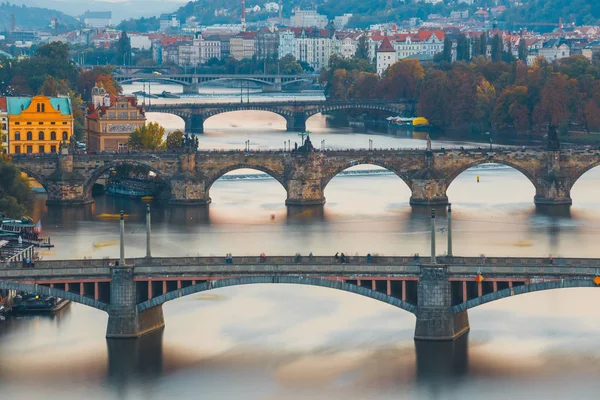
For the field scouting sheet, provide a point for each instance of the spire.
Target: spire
(243, 15)
(386, 46)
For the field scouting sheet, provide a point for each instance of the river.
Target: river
(295, 342)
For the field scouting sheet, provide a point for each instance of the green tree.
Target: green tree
(362, 48)
(289, 66)
(52, 88)
(148, 137)
(463, 46)
(447, 52)
(174, 140)
(497, 48)
(123, 50)
(16, 197)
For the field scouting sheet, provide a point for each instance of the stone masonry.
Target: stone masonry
(189, 176)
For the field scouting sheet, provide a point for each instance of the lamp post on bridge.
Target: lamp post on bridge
(148, 232)
(122, 236)
(433, 260)
(449, 230)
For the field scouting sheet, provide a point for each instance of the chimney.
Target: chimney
(280, 12)
(243, 15)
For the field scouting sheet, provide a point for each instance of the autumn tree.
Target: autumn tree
(402, 80)
(53, 88)
(148, 137)
(364, 86)
(434, 97)
(511, 110)
(174, 140)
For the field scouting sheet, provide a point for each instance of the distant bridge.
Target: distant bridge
(191, 82)
(438, 294)
(296, 113)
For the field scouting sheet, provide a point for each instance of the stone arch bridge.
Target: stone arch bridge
(439, 295)
(296, 113)
(68, 179)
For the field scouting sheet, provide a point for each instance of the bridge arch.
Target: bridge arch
(47, 291)
(529, 288)
(454, 174)
(580, 173)
(220, 173)
(39, 178)
(247, 107)
(391, 109)
(279, 113)
(341, 168)
(298, 280)
(153, 78)
(87, 187)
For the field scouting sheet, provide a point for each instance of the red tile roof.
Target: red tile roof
(386, 46)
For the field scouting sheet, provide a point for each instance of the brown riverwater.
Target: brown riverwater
(295, 342)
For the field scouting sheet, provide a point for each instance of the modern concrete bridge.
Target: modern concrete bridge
(192, 82)
(296, 113)
(188, 176)
(438, 294)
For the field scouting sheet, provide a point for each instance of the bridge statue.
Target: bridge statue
(553, 142)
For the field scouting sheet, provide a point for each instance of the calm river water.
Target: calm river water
(293, 342)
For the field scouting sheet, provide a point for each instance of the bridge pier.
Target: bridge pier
(276, 88)
(66, 187)
(194, 124)
(305, 186)
(124, 320)
(296, 123)
(435, 318)
(552, 191)
(428, 192)
(190, 89)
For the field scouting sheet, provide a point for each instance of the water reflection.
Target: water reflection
(134, 359)
(440, 362)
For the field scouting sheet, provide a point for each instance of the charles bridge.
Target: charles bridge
(296, 113)
(189, 175)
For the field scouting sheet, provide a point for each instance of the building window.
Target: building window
(41, 136)
(42, 150)
(52, 123)
(29, 136)
(41, 123)
(29, 149)
(52, 149)
(52, 135)
(17, 149)
(39, 108)
(17, 123)
(64, 123)
(17, 135)
(29, 123)
(43, 108)
(65, 136)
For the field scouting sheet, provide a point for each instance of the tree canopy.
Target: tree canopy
(16, 197)
(148, 137)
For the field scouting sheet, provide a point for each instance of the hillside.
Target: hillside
(30, 18)
(582, 12)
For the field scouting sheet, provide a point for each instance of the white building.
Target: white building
(271, 7)
(140, 42)
(287, 43)
(209, 47)
(308, 18)
(554, 49)
(97, 19)
(341, 21)
(169, 22)
(386, 56)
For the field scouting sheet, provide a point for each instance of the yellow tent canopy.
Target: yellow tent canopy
(420, 121)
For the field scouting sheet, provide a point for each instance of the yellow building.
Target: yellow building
(38, 124)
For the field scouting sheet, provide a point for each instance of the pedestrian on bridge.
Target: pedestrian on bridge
(337, 256)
